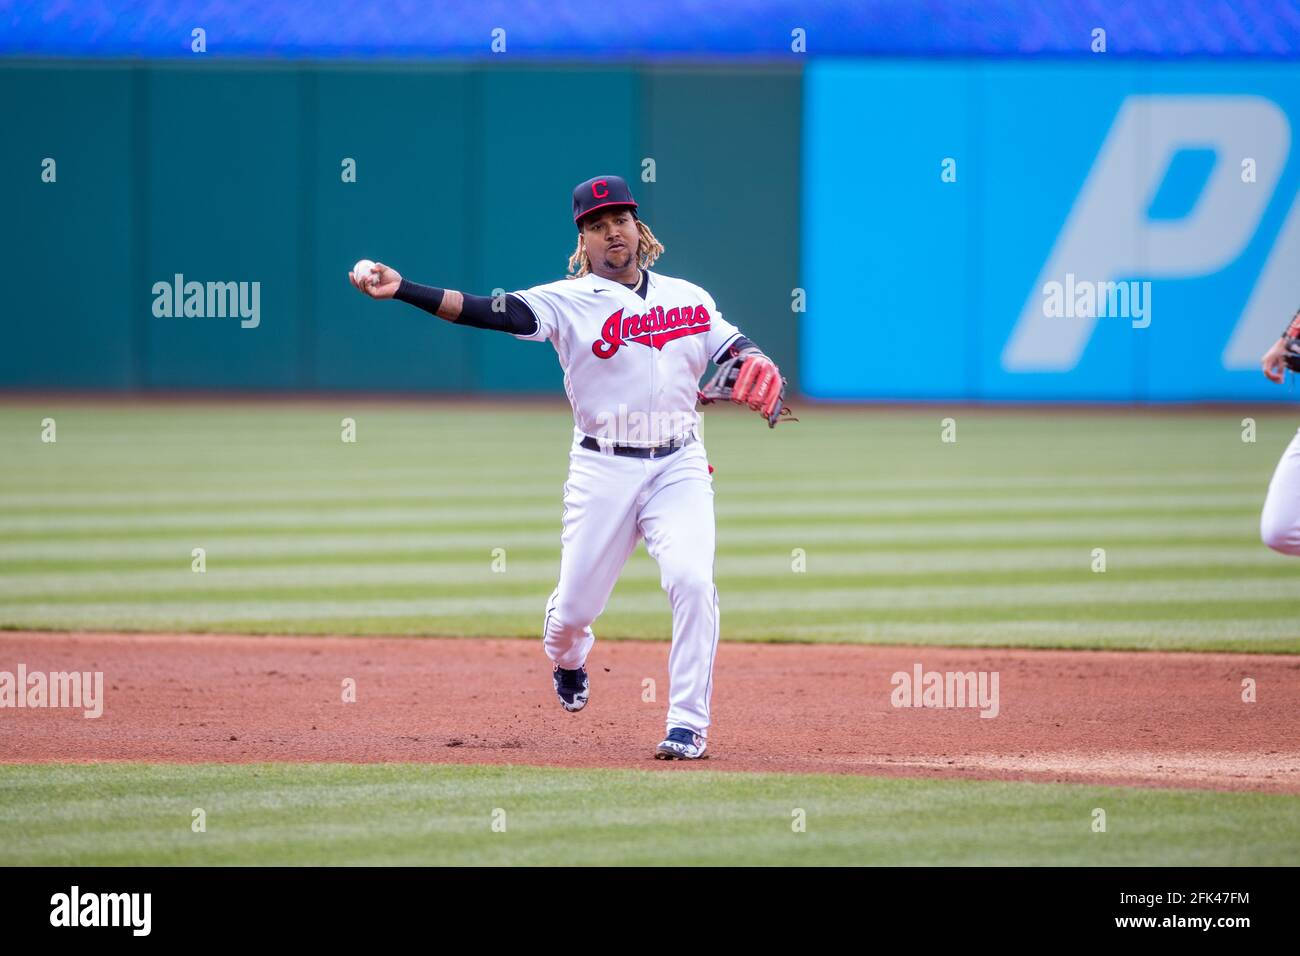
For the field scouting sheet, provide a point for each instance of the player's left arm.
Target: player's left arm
(747, 375)
(725, 341)
(739, 346)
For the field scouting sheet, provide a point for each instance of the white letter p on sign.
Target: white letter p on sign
(1108, 236)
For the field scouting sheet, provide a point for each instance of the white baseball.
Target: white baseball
(362, 271)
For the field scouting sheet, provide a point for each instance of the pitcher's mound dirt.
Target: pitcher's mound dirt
(1173, 720)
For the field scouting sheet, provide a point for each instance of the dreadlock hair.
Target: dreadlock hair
(647, 251)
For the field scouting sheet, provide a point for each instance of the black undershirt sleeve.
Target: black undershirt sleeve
(477, 311)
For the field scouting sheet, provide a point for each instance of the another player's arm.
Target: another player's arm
(1274, 360)
(452, 305)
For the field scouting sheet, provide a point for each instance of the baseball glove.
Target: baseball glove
(1291, 341)
(752, 379)
(1292, 356)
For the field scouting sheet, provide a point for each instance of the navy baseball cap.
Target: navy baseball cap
(600, 192)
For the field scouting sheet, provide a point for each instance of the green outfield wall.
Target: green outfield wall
(231, 173)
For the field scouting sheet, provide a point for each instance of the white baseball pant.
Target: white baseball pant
(610, 502)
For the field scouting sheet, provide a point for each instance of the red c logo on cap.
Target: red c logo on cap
(600, 182)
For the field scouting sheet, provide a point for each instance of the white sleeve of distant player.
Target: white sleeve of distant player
(721, 332)
(548, 306)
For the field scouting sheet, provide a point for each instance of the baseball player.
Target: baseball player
(1279, 524)
(633, 345)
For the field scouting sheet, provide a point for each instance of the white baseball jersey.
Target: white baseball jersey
(620, 351)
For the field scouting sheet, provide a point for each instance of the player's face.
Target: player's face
(611, 240)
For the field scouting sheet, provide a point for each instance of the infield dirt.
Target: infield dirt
(1127, 718)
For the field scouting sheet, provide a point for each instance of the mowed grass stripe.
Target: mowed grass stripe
(638, 580)
(145, 498)
(1038, 564)
(1109, 632)
(1236, 629)
(1095, 595)
(535, 521)
(1226, 626)
(1193, 546)
(520, 614)
(508, 512)
(310, 540)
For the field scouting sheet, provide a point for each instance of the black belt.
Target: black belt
(639, 451)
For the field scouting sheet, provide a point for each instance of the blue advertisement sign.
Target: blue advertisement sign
(1033, 231)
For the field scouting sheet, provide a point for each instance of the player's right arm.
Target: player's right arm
(1274, 360)
(479, 311)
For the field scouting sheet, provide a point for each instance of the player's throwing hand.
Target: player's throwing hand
(381, 282)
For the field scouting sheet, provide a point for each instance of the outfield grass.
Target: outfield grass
(985, 541)
(286, 814)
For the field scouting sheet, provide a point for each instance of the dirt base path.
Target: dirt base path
(1171, 720)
